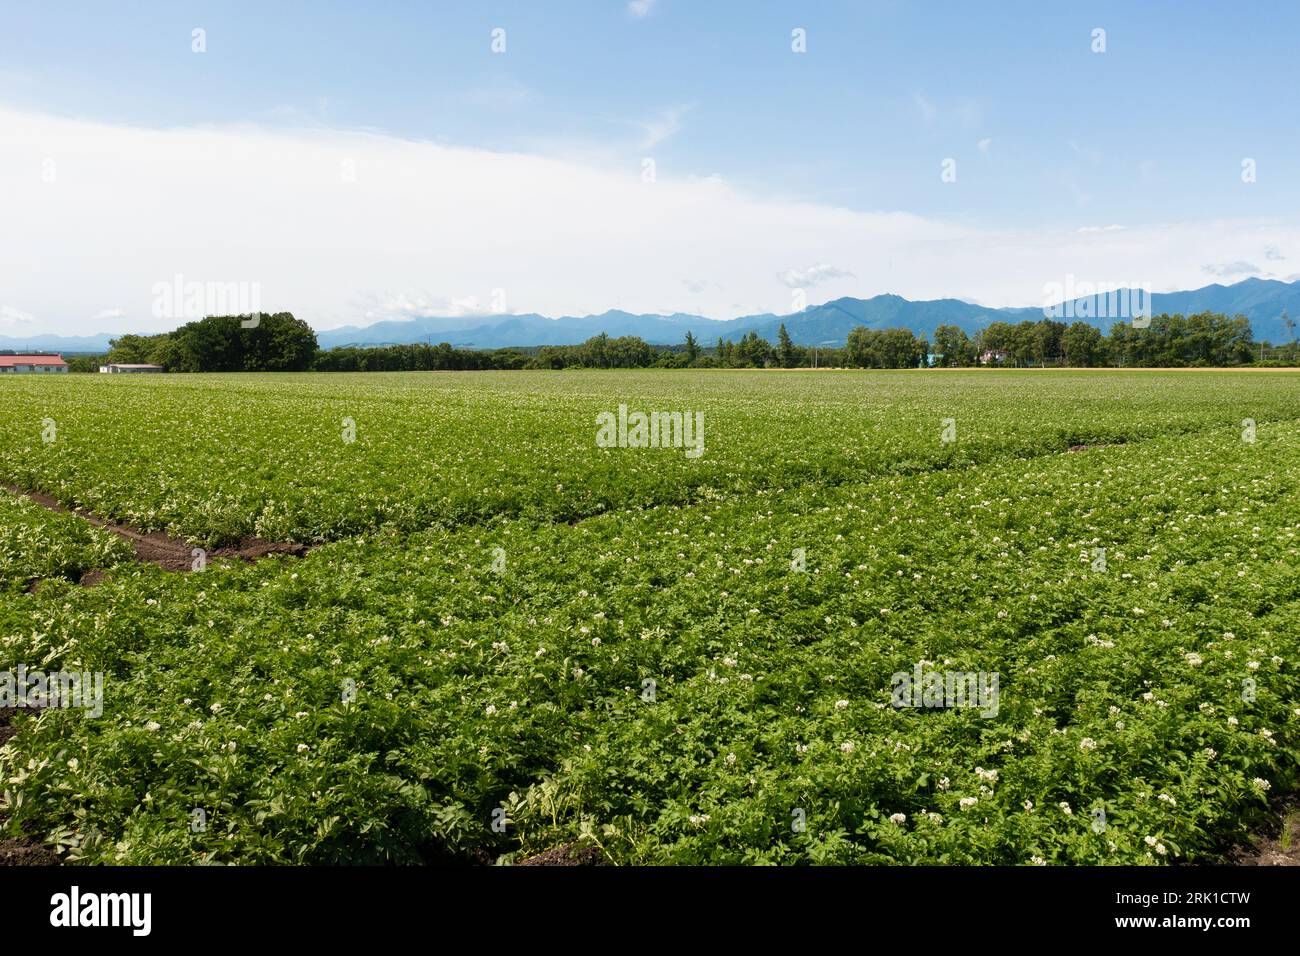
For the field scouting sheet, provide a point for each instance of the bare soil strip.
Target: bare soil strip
(154, 547)
(565, 855)
(1279, 843)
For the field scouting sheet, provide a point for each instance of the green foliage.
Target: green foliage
(522, 687)
(599, 351)
(692, 349)
(37, 544)
(954, 347)
(888, 348)
(223, 457)
(230, 343)
(416, 358)
(786, 350)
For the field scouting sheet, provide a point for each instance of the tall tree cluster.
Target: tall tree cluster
(225, 343)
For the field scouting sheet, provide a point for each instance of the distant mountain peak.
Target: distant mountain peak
(1260, 300)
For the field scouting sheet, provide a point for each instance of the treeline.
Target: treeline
(224, 343)
(416, 358)
(280, 342)
(1169, 341)
(600, 351)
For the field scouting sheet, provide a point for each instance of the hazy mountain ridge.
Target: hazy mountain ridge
(1260, 300)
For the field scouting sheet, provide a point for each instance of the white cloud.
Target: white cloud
(640, 8)
(110, 314)
(984, 145)
(430, 229)
(15, 318)
(379, 306)
(1238, 268)
(822, 272)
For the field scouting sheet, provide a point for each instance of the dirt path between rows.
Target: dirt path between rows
(1278, 844)
(154, 547)
(170, 554)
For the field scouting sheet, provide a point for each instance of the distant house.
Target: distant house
(994, 357)
(22, 364)
(120, 368)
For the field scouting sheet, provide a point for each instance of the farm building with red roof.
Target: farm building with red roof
(11, 364)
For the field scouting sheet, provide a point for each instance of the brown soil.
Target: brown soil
(566, 855)
(23, 851)
(154, 547)
(1266, 848)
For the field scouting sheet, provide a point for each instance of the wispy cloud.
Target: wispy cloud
(11, 317)
(822, 272)
(625, 141)
(640, 8)
(963, 114)
(662, 126)
(381, 305)
(984, 146)
(1238, 268)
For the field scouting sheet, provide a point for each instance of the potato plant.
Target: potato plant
(709, 678)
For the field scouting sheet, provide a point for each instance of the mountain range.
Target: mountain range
(1262, 301)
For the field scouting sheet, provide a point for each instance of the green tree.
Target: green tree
(692, 348)
(130, 349)
(785, 347)
(1082, 345)
(953, 347)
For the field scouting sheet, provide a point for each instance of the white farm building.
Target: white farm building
(120, 368)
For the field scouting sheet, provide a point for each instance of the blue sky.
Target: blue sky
(1049, 138)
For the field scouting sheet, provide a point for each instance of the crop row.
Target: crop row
(687, 685)
(319, 458)
(36, 544)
